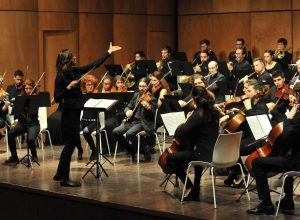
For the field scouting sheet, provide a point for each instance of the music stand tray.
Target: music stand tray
(101, 105)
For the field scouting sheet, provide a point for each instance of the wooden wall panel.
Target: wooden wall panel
(18, 44)
(130, 32)
(95, 33)
(166, 7)
(58, 5)
(95, 6)
(295, 4)
(296, 35)
(266, 28)
(130, 6)
(24, 5)
(270, 5)
(222, 32)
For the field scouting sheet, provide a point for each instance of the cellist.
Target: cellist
(253, 104)
(290, 161)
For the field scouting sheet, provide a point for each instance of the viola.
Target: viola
(284, 92)
(267, 148)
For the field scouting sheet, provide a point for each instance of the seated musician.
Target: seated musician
(279, 94)
(296, 76)
(201, 66)
(271, 64)
(27, 123)
(119, 84)
(88, 120)
(196, 138)
(140, 113)
(4, 103)
(107, 85)
(240, 43)
(16, 89)
(289, 160)
(159, 87)
(252, 104)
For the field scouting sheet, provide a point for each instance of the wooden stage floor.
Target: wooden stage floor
(135, 187)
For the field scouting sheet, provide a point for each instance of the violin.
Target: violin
(284, 92)
(154, 89)
(145, 98)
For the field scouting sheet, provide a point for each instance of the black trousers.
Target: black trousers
(19, 129)
(87, 129)
(178, 162)
(264, 165)
(70, 129)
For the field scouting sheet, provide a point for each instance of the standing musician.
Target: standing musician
(140, 113)
(279, 98)
(163, 67)
(119, 84)
(270, 64)
(27, 123)
(67, 90)
(240, 43)
(88, 120)
(196, 139)
(16, 89)
(251, 104)
(288, 161)
(215, 75)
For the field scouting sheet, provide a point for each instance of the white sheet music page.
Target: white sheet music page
(99, 103)
(172, 121)
(260, 126)
(265, 124)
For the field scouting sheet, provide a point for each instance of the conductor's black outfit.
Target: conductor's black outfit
(70, 121)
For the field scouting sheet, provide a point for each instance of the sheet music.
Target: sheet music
(99, 103)
(172, 121)
(260, 126)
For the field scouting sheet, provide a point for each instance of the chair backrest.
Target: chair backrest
(227, 149)
(42, 116)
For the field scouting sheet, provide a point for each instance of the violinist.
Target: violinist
(27, 123)
(159, 87)
(196, 138)
(67, 90)
(119, 84)
(279, 98)
(16, 89)
(88, 120)
(252, 104)
(289, 160)
(107, 85)
(215, 75)
(140, 113)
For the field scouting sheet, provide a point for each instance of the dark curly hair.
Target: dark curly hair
(203, 99)
(64, 61)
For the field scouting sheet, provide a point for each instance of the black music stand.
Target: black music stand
(114, 69)
(31, 104)
(101, 105)
(181, 56)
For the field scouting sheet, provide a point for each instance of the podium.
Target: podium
(30, 104)
(101, 106)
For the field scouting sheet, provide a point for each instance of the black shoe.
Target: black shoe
(79, 156)
(261, 209)
(193, 195)
(147, 154)
(70, 183)
(57, 178)
(93, 155)
(12, 160)
(286, 204)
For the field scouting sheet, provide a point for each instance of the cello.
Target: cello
(267, 147)
(162, 161)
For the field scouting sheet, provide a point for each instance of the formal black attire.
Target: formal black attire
(248, 57)
(13, 91)
(211, 54)
(276, 67)
(289, 160)
(284, 62)
(71, 112)
(197, 137)
(142, 119)
(2, 115)
(219, 96)
(170, 78)
(27, 123)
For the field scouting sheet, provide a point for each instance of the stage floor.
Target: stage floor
(135, 186)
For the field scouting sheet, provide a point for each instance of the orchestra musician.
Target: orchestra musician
(107, 85)
(163, 66)
(279, 94)
(88, 119)
(140, 113)
(202, 66)
(4, 103)
(138, 56)
(67, 89)
(251, 104)
(289, 160)
(196, 139)
(159, 87)
(27, 123)
(119, 84)
(296, 77)
(16, 89)
(270, 64)
(240, 43)
(205, 46)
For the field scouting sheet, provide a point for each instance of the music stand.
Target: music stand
(181, 56)
(101, 106)
(114, 69)
(31, 104)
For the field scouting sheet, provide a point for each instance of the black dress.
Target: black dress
(72, 106)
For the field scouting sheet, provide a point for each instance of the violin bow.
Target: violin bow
(101, 79)
(37, 83)
(85, 74)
